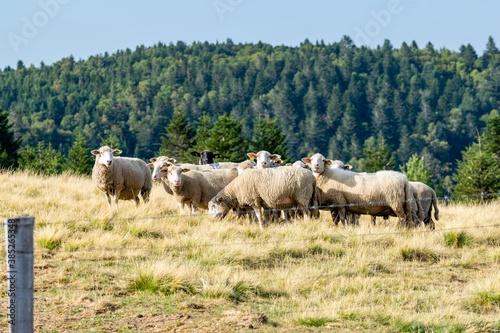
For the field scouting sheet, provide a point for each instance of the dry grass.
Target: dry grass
(147, 269)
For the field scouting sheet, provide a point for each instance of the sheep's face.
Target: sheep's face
(206, 156)
(105, 155)
(316, 163)
(218, 208)
(160, 167)
(174, 175)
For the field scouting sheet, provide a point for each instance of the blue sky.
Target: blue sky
(48, 30)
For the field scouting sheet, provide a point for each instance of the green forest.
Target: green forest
(344, 101)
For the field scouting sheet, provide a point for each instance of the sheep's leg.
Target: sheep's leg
(258, 214)
(145, 195)
(108, 198)
(137, 201)
(374, 219)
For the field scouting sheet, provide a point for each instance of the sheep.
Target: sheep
(124, 178)
(206, 156)
(267, 189)
(264, 159)
(369, 193)
(205, 167)
(159, 165)
(427, 199)
(195, 188)
(245, 165)
(417, 212)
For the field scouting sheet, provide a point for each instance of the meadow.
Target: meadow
(151, 269)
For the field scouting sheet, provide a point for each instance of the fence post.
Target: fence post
(19, 259)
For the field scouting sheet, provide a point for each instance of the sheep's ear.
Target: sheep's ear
(218, 155)
(219, 199)
(195, 153)
(151, 165)
(171, 161)
(153, 159)
(347, 167)
(327, 161)
(185, 170)
(95, 152)
(117, 152)
(274, 156)
(252, 156)
(306, 160)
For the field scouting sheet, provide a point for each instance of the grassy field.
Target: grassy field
(147, 269)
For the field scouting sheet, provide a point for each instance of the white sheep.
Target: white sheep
(417, 213)
(264, 159)
(205, 167)
(368, 193)
(196, 188)
(428, 199)
(159, 165)
(245, 165)
(124, 178)
(269, 188)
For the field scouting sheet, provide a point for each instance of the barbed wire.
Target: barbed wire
(266, 210)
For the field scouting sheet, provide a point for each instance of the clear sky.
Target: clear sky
(48, 30)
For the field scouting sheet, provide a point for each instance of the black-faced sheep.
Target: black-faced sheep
(205, 167)
(361, 193)
(206, 156)
(268, 188)
(196, 188)
(124, 178)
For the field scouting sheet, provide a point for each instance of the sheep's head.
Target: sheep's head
(317, 163)
(174, 175)
(264, 159)
(218, 207)
(160, 166)
(206, 156)
(104, 155)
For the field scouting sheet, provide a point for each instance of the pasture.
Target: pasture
(148, 269)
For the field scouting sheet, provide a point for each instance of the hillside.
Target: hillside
(330, 98)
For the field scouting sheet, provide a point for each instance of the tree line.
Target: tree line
(371, 107)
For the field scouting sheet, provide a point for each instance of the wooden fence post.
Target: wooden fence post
(19, 259)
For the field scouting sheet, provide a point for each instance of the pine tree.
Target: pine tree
(179, 138)
(478, 175)
(80, 160)
(267, 135)
(44, 160)
(9, 146)
(378, 157)
(204, 124)
(415, 170)
(225, 138)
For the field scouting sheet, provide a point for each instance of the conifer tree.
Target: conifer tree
(179, 138)
(415, 170)
(478, 175)
(225, 138)
(80, 160)
(204, 124)
(267, 135)
(378, 157)
(9, 146)
(44, 160)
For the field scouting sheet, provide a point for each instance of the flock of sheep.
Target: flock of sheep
(263, 189)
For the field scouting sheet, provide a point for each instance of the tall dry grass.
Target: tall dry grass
(148, 269)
